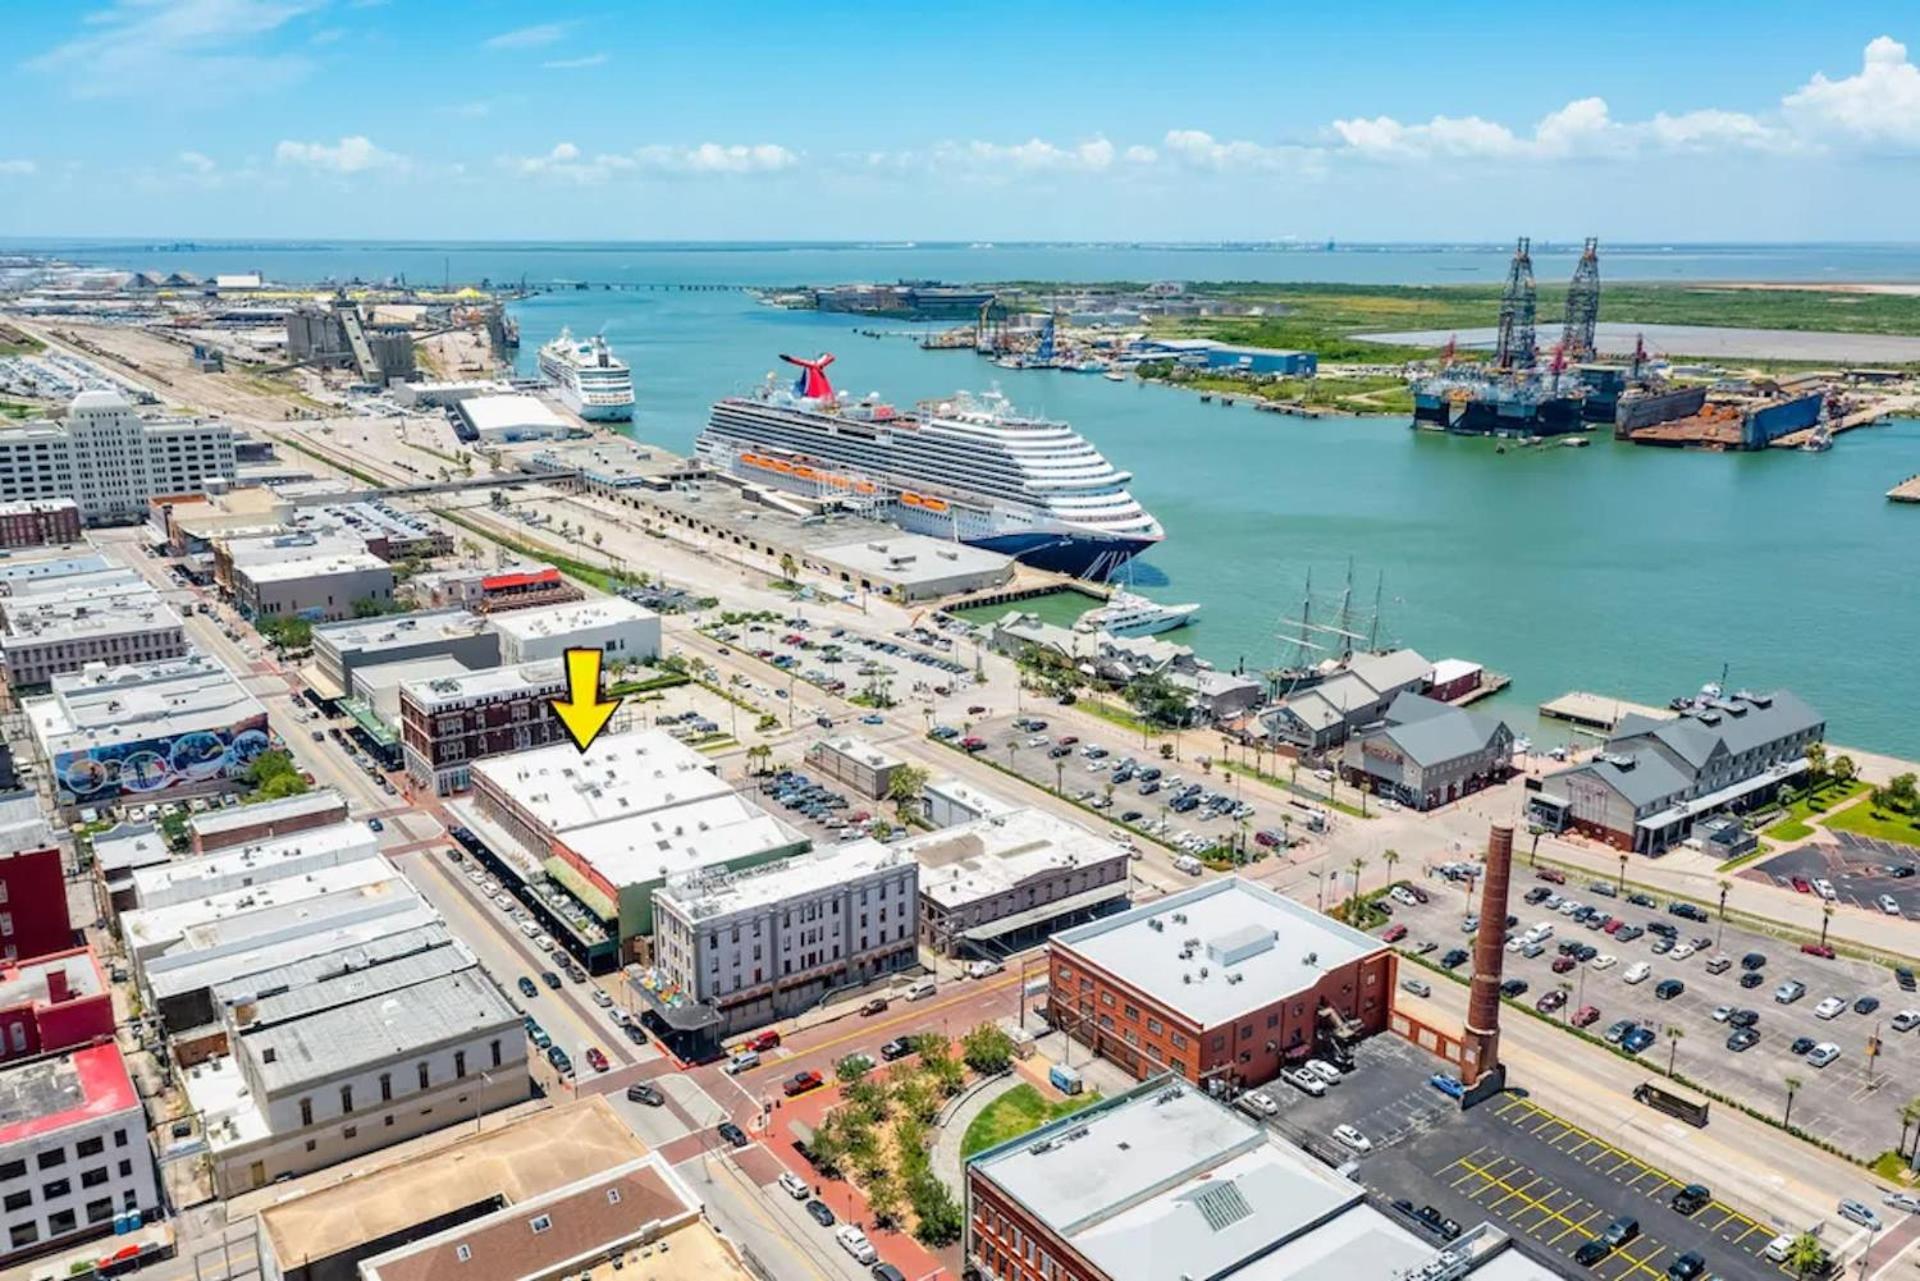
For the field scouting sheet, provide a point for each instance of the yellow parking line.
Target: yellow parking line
(1585, 1139)
(1509, 1104)
(1535, 1202)
(1645, 1262)
(1576, 1227)
(1520, 1192)
(1749, 1232)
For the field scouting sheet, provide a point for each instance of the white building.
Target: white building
(243, 867)
(612, 624)
(74, 1160)
(499, 420)
(997, 882)
(951, 801)
(766, 943)
(855, 763)
(323, 585)
(326, 1069)
(47, 633)
(110, 460)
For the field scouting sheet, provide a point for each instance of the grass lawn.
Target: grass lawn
(1795, 825)
(1018, 1111)
(1862, 819)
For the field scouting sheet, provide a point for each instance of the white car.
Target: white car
(1906, 1202)
(1038, 740)
(1638, 972)
(1890, 905)
(1906, 1020)
(795, 1186)
(1822, 1054)
(1604, 961)
(1261, 1102)
(601, 997)
(1568, 906)
(981, 969)
(1419, 987)
(1305, 1082)
(1679, 951)
(745, 1061)
(1824, 888)
(1324, 1070)
(855, 1242)
(1721, 1013)
(1352, 1138)
(1829, 1008)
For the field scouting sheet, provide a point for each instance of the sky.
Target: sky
(1201, 122)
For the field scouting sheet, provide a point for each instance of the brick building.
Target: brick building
(33, 904)
(1226, 981)
(37, 522)
(449, 722)
(53, 1002)
(251, 824)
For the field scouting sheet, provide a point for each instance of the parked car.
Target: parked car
(1585, 1016)
(1820, 950)
(1352, 1138)
(1304, 1081)
(855, 1243)
(800, 1083)
(526, 986)
(644, 1092)
(898, 1048)
(1447, 1085)
(596, 1059)
(817, 1211)
(1692, 1198)
(1823, 1054)
(794, 1186)
(1789, 992)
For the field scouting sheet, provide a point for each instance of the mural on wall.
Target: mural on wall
(156, 764)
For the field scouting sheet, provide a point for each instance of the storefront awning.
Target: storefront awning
(1047, 912)
(1724, 797)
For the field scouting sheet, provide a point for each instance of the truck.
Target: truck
(1065, 1079)
(1665, 1099)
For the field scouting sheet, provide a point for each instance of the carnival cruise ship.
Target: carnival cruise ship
(592, 381)
(969, 469)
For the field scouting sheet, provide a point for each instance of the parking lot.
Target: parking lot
(1550, 1184)
(912, 665)
(1861, 869)
(1852, 1100)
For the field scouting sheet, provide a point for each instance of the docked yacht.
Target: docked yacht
(1126, 614)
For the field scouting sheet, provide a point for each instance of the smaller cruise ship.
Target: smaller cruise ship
(592, 381)
(1126, 614)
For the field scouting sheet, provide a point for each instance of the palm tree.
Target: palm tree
(1674, 1037)
(1566, 1000)
(1390, 857)
(1721, 931)
(903, 789)
(1793, 1087)
(1623, 873)
(1059, 778)
(1353, 913)
(1909, 1118)
(1826, 919)
(1816, 755)
(1806, 1255)
(789, 567)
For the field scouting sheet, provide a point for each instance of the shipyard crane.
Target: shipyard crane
(1583, 305)
(1516, 347)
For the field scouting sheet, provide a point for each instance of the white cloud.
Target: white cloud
(18, 168)
(1880, 106)
(1715, 130)
(566, 161)
(1036, 155)
(1198, 149)
(355, 154)
(198, 162)
(147, 46)
(533, 37)
(574, 64)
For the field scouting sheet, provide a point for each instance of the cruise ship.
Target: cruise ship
(968, 468)
(1126, 614)
(592, 381)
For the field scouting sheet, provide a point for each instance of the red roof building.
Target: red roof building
(53, 1002)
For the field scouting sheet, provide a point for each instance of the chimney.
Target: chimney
(1481, 1047)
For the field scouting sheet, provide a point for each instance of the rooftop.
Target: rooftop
(54, 617)
(46, 1095)
(236, 818)
(507, 413)
(701, 897)
(514, 1162)
(101, 705)
(312, 939)
(128, 846)
(564, 620)
(867, 753)
(248, 909)
(256, 865)
(22, 566)
(1001, 852)
(902, 557)
(324, 565)
(1245, 948)
(1431, 732)
(544, 676)
(399, 631)
(961, 792)
(31, 982)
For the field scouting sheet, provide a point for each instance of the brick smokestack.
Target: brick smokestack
(1482, 1042)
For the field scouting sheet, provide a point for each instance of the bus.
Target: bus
(1664, 1098)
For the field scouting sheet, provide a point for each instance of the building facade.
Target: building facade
(339, 649)
(54, 1002)
(620, 629)
(856, 764)
(219, 829)
(33, 903)
(109, 460)
(49, 633)
(448, 723)
(1426, 753)
(37, 522)
(74, 1160)
(992, 885)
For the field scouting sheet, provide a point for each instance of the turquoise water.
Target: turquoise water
(1633, 572)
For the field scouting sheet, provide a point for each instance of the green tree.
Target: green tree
(852, 1068)
(273, 775)
(1793, 1087)
(1909, 1119)
(987, 1049)
(1157, 700)
(1674, 1036)
(1844, 769)
(373, 607)
(1806, 1256)
(1816, 762)
(937, 1214)
(903, 789)
(883, 1198)
(789, 567)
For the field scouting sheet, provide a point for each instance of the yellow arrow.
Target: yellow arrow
(583, 711)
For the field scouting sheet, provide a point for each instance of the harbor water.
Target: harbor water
(1633, 572)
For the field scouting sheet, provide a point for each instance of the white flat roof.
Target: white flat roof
(722, 893)
(564, 620)
(1000, 852)
(396, 631)
(508, 413)
(190, 971)
(259, 864)
(447, 689)
(868, 754)
(327, 564)
(1272, 944)
(102, 705)
(960, 792)
(53, 617)
(907, 558)
(161, 926)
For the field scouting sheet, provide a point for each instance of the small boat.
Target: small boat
(1226, 400)
(1205, 396)
(1574, 442)
(1818, 443)
(1115, 376)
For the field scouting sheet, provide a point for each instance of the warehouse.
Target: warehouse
(501, 420)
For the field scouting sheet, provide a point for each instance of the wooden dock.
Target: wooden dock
(1907, 491)
(1596, 711)
(1491, 683)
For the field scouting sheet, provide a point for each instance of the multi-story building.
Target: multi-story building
(1358, 694)
(491, 591)
(449, 722)
(997, 883)
(109, 460)
(257, 865)
(21, 574)
(855, 763)
(328, 585)
(33, 892)
(339, 649)
(1224, 983)
(51, 632)
(381, 528)
(333, 1068)
(1656, 778)
(54, 1002)
(735, 950)
(622, 630)
(74, 1160)
(157, 730)
(951, 801)
(1426, 753)
(219, 829)
(38, 522)
(1162, 1181)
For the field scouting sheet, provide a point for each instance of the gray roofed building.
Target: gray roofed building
(1426, 753)
(1326, 715)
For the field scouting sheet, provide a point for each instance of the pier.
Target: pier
(1596, 711)
(1907, 491)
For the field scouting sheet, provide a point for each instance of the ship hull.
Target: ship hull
(1075, 554)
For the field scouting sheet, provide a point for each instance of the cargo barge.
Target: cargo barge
(1735, 423)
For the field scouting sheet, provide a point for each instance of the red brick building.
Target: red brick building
(38, 522)
(250, 824)
(33, 904)
(1227, 980)
(53, 1002)
(449, 722)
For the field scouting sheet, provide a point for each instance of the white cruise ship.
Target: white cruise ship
(592, 381)
(1126, 614)
(969, 469)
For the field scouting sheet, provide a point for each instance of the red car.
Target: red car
(596, 1060)
(761, 1042)
(1561, 964)
(1817, 949)
(1613, 926)
(801, 1082)
(1394, 934)
(1552, 875)
(1067, 740)
(1586, 1015)
(1802, 884)
(973, 744)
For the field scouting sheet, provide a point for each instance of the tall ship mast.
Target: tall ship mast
(968, 468)
(591, 381)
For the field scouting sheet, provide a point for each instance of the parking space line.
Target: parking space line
(1520, 1192)
(1577, 1227)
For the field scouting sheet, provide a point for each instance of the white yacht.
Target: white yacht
(592, 381)
(967, 468)
(1126, 614)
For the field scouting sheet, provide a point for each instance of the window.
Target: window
(19, 1200)
(100, 1211)
(90, 1147)
(346, 1099)
(55, 1188)
(306, 1111)
(351, 1132)
(386, 1087)
(494, 1045)
(47, 1160)
(60, 1223)
(93, 1178)
(540, 1223)
(426, 1078)
(312, 1144)
(459, 1063)
(126, 1168)
(12, 1169)
(24, 1234)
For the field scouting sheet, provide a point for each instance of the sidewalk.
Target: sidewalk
(948, 1163)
